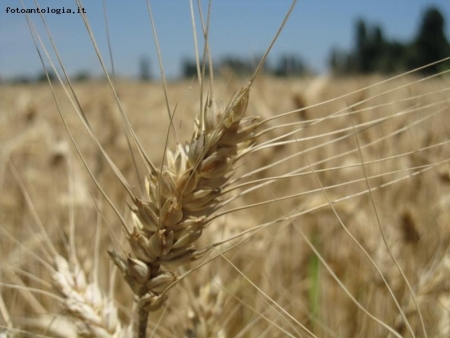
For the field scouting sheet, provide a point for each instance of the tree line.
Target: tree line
(285, 65)
(372, 52)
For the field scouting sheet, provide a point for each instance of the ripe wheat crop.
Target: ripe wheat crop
(222, 206)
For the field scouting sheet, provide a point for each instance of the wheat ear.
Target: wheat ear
(179, 200)
(93, 313)
(204, 314)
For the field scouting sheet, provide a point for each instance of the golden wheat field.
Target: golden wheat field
(312, 207)
(401, 136)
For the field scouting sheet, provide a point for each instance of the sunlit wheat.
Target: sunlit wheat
(295, 207)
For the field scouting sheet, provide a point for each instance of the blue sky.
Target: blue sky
(238, 27)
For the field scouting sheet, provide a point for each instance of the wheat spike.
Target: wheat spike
(180, 198)
(204, 314)
(85, 303)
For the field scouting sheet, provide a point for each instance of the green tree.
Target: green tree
(82, 76)
(370, 47)
(431, 43)
(362, 48)
(188, 68)
(290, 65)
(42, 76)
(144, 69)
(239, 66)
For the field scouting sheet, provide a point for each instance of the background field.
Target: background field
(399, 129)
